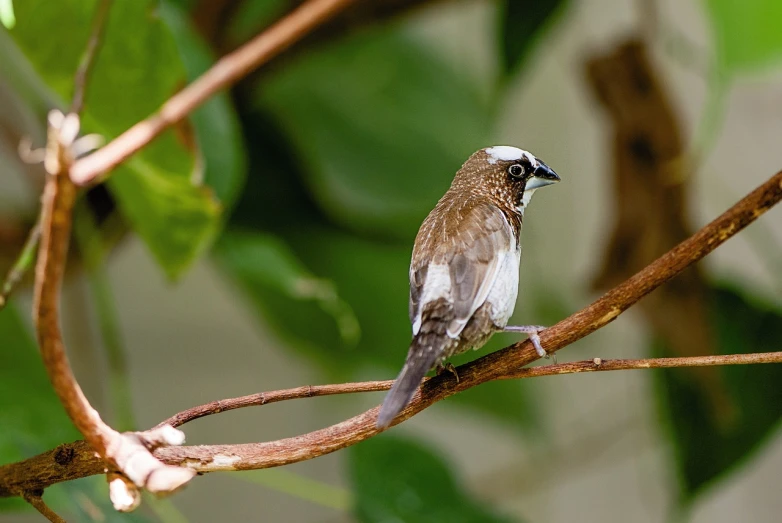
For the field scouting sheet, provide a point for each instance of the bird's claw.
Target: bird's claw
(532, 331)
(448, 367)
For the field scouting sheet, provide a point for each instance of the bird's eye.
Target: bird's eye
(516, 170)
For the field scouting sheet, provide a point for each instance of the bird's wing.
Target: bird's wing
(458, 259)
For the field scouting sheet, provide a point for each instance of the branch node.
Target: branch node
(64, 455)
(29, 155)
(124, 495)
(34, 498)
(166, 480)
(132, 453)
(163, 436)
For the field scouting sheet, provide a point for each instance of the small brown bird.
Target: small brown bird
(464, 274)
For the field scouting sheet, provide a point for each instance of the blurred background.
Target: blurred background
(265, 243)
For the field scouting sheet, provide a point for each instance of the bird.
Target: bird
(464, 271)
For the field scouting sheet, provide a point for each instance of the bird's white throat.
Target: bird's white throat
(525, 200)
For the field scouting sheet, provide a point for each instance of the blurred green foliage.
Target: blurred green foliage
(349, 144)
(305, 308)
(708, 444)
(252, 14)
(373, 130)
(33, 421)
(217, 130)
(521, 24)
(399, 480)
(158, 190)
(7, 15)
(747, 33)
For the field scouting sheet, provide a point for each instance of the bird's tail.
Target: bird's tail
(424, 351)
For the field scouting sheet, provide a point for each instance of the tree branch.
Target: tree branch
(23, 262)
(599, 364)
(35, 499)
(572, 367)
(80, 79)
(27, 256)
(264, 398)
(227, 71)
(77, 460)
(128, 453)
(128, 456)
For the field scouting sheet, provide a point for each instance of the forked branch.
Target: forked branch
(45, 469)
(127, 453)
(145, 458)
(126, 457)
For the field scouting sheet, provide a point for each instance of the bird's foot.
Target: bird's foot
(533, 332)
(448, 367)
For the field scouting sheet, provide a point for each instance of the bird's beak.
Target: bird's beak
(542, 176)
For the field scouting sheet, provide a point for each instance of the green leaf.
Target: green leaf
(183, 4)
(706, 448)
(399, 480)
(522, 23)
(178, 220)
(304, 309)
(138, 67)
(747, 33)
(7, 16)
(253, 15)
(216, 124)
(381, 125)
(372, 277)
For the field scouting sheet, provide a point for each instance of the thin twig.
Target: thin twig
(27, 256)
(264, 398)
(495, 365)
(58, 202)
(35, 499)
(128, 456)
(21, 265)
(573, 367)
(598, 364)
(41, 471)
(81, 78)
(127, 453)
(227, 71)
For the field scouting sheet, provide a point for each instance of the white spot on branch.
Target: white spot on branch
(124, 495)
(165, 435)
(224, 462)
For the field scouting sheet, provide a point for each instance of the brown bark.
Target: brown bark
(41, 471)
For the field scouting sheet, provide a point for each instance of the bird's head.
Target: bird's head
(508, 175)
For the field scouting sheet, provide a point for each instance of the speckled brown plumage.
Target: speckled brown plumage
(476, 217)
(464, 268)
